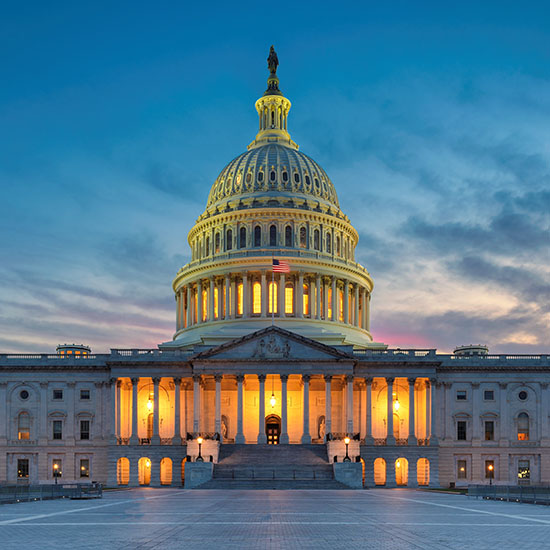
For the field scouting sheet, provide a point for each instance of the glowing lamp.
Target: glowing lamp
(272, 400)
(347, 440)
(396, 406)
(199, 440)
(148, 463)
(398, 463)
(150, 405)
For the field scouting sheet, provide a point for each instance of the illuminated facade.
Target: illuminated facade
(281, 358)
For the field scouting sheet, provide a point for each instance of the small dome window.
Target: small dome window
(285, 176)
(273, 175)
(522, 395)
(308, 181)
(296, 177)
(24, 394)
(288, 236)
(260, 176)
(317, 186)
(248, 177)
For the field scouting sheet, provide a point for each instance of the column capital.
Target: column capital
(218, 377)
(177, 380)
(197, 378)
(71, 384)
(306, 377)
(349, 378)
(156, 380)
(328, 378)
(240, 377)
(261, 377)
(368, 380)
(118, 383)
(283, 377)
(503, 385)
(134, 381)
(434, 380)
(390, 380)
(411, 381)
(96, 384)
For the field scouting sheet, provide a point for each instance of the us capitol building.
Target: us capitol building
(273, 348)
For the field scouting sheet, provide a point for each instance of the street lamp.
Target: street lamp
(491, 469)
(199, 458)
(346, 441)
(55, 471)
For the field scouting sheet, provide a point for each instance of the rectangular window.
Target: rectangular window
(489, 469)
(57, 468)
(240, 299)
(84, 394)
(461, 395)
(84, 429)
(289, 299)
(23, 468)
(84, 467)
(216, 302)
(272, 298)
(524, 470)
(58, 394)
(489, 430)
(461, 469)
(305, 300)
(461, 430)
(58, 429)
(489, 395)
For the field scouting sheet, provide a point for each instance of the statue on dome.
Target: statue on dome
(272, 61)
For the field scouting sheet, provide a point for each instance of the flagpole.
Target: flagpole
(272, 293)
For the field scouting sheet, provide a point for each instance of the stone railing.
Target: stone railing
(123, 440)
(380, 441)
(402, 441)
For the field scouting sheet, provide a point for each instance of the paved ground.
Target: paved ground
(171, 518)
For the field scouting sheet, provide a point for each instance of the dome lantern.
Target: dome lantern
(273, 110)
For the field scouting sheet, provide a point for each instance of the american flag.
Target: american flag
(280, 267)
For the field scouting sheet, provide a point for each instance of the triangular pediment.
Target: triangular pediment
(273, 344)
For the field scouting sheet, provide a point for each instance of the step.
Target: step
(277, 484)
(276, 472)
(272, 454)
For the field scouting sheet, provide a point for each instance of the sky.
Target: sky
(431, 118)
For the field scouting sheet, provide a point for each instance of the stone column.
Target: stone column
(227, 289)
(199, 301)
(328, 405)
(325, 298)
(349, 402)
(317, 297)
(413, 473)
(155, 472)
(364, 310)
(476, 419)
(412, 423)
(428, 407)
(113, 435)
(189, 305)
(334, 300)
(306, 437)
(264, 294)
(42, 421)
(176, 472)
(300, 296)
(98, 423)
(390, 439)
(239, 438)
(282, 282)
(503, 427)
(544, 435)
(182, 307)
(176, 440)
(155, 440)
(433, 423)
(356, 305)
(196, 403)
(218, 405)
(134, 439)
(368, 311)
(346, 302)
(262, 438)
(369, 440)
(220, 298)
(119, 408)
(70, 436)
(284, 405)
(178, 311)
(246, 309)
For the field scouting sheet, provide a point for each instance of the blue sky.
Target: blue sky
(432, 120)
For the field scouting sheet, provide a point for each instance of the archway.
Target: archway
(423, 471)
(123, 471)
(273, 429)
(144, 471)
(401, 471)
(166, 471)
(380, 471)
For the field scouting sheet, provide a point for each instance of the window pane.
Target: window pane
(57, 429)
(289, 299)
(84, 429)
(489, 469)
(84, 467)
(489, 430)
(340, 305)
(57, 467)
(272, 298)
(22, 468)
(462, 472)
(240, 299)
(306, 300)
(257, 298)
(461, 430)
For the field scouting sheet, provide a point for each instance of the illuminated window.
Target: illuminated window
(216, 302)
(316, 239)
(303, 237)
(329, 303)
(24, 426)
(242, 237)
(240, 299)
(84, 467)
(256, 298)
(305, 304)
(229, 239)
(489, 469)
(523, 427)
(350, 307)
(257, 236)
(225, 290)
(288, 235)
(524, 470)
(340, 306)
(204, 304)
(328, 241)
(23, 468)
(273, 235)
(272, 298)
(289, 298)
(196, 307)
(462, 469)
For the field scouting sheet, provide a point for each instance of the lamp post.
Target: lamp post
(491, 473)
(199, 458)
(55, 472)
(346, 441)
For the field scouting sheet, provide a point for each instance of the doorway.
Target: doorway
(273, 429)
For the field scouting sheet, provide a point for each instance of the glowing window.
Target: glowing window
(196, 307)
(289, 298)
(257, 298)
(272, 298)
(306, 300)
(340, 306)
(240, 299)
(216, 302)
(204, 304)
(523, 427)
(224, 301)
(329, 300)
(24, 426)
(288, 235)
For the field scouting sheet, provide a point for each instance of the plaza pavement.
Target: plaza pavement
(170, 518)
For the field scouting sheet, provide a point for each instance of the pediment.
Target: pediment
(273, 344)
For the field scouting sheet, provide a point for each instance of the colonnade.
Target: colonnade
(251, 294)
(348, 410)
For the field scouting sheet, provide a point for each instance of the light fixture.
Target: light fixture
(199, 440)
(150, 403)
(396, 405)
(272, 400)
(398, 463)
(346, 440)
(148, 463)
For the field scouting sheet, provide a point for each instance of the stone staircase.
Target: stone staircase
(272, 467)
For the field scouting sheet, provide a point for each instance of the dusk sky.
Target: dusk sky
(431, 118)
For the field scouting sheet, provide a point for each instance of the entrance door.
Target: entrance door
(273, 429)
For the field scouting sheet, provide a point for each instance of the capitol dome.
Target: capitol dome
(272, 247)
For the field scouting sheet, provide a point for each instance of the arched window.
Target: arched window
(272, 175)
(285, 176)
(340, 306)
(423, 471)
(257, 236)
(204, 304)
(229, 239)
(316, 239)
(523, 427)
(338, 246)
(242, 238)
(207, 247)
(216, 302)
(273, 235)
(380, 471)
(272, 306)
(166, 471)
(401, 471)
(288, 235)
(303, 237)
(217, 241)
(296, 177)
(327, 246)
(240, 299)
(256, 298)
(305, 304)
(23, 426)
(329, 304)
(289, 298)
(123, 471)
(260, 176)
